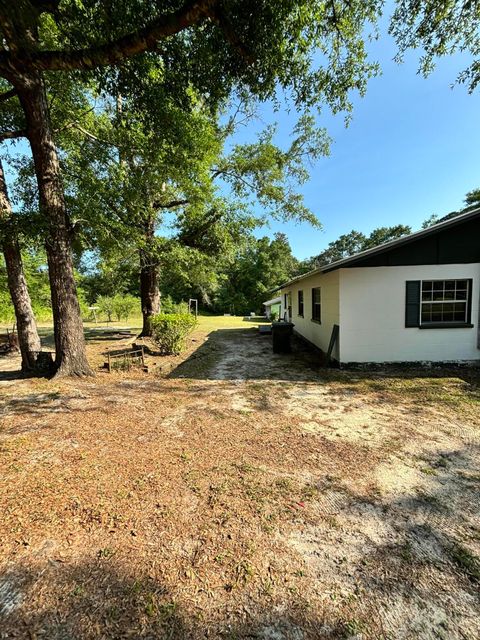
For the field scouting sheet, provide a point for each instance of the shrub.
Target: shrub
(181, 308)
(106, 306)
(168, 305)
(120, 306)
(85, 312)
(7, 313)
(170, 330)
(123, 306)
(42, 313)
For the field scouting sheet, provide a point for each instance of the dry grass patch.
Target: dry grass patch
(304, 504)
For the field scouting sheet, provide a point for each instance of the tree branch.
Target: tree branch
(92, 136)
(146, 39)
(336, 21)
(170, 205)
(230, 33)
(10, 135)
(193, 237)
(122, 215)
(217, 173)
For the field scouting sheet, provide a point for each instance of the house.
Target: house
(414, 299)
(273, 307)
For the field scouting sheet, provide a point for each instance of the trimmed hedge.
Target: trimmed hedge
(170, 330)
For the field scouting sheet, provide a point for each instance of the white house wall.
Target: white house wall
(372, 316)
(317, 334)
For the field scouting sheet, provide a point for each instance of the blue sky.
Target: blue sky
(411, 150)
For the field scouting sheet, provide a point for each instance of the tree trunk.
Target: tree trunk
(28, 338)
(149, 291)
(70, 358)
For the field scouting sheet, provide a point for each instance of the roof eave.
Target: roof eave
(351, 260)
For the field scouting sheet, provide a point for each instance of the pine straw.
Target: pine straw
(139, 507)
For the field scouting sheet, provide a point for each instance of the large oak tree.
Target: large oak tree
(217, 45)
(131, 171)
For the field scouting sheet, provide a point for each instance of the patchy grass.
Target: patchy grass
(237, 494)
(466, 560)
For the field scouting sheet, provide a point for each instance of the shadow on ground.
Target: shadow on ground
(97, 599)
(243, 354)
(175, 518)
(10, 363)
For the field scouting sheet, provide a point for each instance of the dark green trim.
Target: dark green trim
(446, 325)
(412, 303)
(300, 293)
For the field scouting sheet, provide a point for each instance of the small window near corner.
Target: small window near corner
(300, 303)
(445, 303)
(316, 304)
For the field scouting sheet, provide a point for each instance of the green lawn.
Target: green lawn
(206, 322)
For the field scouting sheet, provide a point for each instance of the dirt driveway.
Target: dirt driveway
(245, 495)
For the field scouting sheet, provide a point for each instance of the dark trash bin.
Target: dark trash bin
(282, 333)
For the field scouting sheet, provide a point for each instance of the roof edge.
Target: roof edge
(386, 246)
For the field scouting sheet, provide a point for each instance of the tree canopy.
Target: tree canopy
(215, 45)
(439, 28)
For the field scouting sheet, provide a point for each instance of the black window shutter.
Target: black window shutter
(412, 303)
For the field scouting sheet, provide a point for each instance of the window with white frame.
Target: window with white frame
(445, 301)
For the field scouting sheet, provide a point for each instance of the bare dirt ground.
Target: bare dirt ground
(232, 493)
